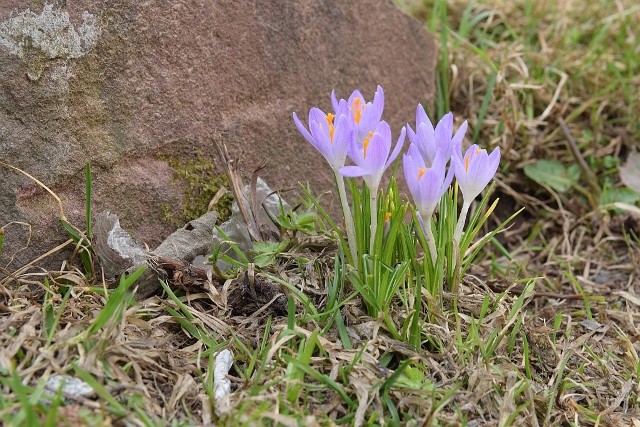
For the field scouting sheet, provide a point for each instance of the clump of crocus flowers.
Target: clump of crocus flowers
(355, 131)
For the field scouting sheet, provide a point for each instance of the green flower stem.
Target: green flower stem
(461, 221)
(373, 207)
(348, 218)
(431, 241)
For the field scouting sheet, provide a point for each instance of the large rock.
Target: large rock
(125, 83)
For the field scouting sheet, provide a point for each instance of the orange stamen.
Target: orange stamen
(421, 172)
(356, 110)
(387, 215)
(365, 144)
(330, 118)
(467, 158)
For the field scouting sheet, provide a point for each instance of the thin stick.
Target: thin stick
(236, 186)
(189, 272)
(25, 267)
(517, 290)
(253, 197)
(37, 181)
(592, 179)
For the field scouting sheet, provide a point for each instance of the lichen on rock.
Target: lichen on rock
(50, 32)
(201, 184)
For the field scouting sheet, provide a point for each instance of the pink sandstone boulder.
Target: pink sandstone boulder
(126, 84)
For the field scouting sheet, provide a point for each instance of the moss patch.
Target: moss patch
(201, 184)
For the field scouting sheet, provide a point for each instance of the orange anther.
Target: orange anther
(356, 109)
(330, 118)
(365, 144)
(421, 172)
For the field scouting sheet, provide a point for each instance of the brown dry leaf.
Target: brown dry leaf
(184, 385)
(27, 331)
(629, 297)
(630, 172)
(362, 392)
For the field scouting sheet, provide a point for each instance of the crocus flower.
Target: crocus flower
(474, 170)
(430, 140)
(330, 136)
(426, 184)
(372, 157)
(365, 116)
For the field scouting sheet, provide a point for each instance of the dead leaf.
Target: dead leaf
(630, 172)
(185, 384)
(629, 297)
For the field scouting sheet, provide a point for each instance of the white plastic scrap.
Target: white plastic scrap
(72, 388)
(221, 384)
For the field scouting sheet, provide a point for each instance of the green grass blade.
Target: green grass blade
(484, 107)
(117, 301)
(116, 407)
(321, 378)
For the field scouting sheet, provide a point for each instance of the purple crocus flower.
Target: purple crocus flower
(365, 116)
(330, 136)
(430, 140)
(372, 157)
(474, 170)
(426, 184)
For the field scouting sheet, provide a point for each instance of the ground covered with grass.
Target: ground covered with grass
(543, 329)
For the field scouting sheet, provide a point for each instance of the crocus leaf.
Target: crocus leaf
(630, 172)
(265, 252)
(622, 195)
(266, 247)
(264, 259)
(554, 174)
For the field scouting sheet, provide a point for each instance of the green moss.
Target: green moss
(201, 184)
